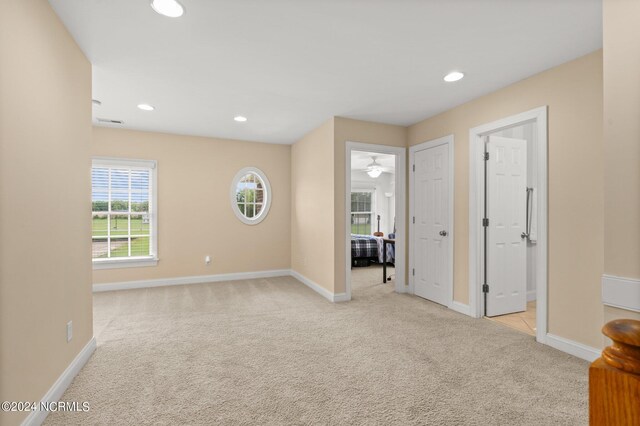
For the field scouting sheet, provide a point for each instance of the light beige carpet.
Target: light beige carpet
(271, 351)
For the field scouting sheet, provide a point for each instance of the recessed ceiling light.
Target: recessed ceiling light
(240, 118)
(170, 8)
(96, 102)
(146, 107)
(453, 76)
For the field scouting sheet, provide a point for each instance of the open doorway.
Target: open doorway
(508, 222)
(375, 219)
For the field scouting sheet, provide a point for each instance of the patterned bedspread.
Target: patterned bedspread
(363, 246)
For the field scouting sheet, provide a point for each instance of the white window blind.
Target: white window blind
(123, 216)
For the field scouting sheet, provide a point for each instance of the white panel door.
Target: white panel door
(506, 210)
(430, 238)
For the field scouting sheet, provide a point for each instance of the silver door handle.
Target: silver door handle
(443, 233)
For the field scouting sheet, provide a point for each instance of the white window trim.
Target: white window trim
(137, 261)
(267, 193)
(374, 205)
(125, 262)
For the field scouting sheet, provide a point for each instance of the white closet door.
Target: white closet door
(431, 240)
(506, 248)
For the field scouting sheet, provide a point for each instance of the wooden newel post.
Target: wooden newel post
(614, 378)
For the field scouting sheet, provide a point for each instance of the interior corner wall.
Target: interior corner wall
(312, 206)
(45, 160)
(349, 130)
(621, 40)
(573, 93)
(195, 217)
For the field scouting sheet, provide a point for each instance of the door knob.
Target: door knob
(443, 233)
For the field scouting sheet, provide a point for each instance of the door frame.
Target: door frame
(400, 189)
(449, 141)
(476, 209)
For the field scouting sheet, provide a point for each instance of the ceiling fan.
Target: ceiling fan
(374, 169)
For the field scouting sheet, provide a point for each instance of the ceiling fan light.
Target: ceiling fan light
(374, 171)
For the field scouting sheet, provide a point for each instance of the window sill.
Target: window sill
(131, 262)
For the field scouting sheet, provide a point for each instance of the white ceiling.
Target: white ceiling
(360, 160)
(289, 65)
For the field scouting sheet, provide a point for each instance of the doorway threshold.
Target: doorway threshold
(524, 322)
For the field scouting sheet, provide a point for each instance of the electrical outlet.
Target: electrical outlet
(207, 260)
(69, 331)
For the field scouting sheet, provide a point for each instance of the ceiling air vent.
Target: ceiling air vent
(106, 120)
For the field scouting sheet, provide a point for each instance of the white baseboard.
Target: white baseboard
(531, 295)
(461, 308)
(202, 279)
(573, 348)
(339, 297)
(196, 279)
(620, 292)
(36, 418)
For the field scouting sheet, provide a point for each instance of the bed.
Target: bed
(367, 248)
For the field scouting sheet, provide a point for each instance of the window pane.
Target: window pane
(119, 247)
(259, 196)
(251, 195)
(140, 246)
(99, 179)
(119, 201)
(100, 204)
(119, 179)
(139, 224)
(361, 223)
(241, 206)
(360, 201)
(99, 225)
(249, 212)
(258, 209)
(119, 224)
(98, 248)
(140, 180)
(139, 201)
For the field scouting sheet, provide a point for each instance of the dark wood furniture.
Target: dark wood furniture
(614, 378)
(385, 241)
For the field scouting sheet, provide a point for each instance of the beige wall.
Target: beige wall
(195, 218)
(45, 252)
(348, 130)
(573, 92)
(622, 137)
(312, 206)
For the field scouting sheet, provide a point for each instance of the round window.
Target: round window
(250, 195)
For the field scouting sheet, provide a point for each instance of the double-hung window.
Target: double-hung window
(123, 210)
(362, 205)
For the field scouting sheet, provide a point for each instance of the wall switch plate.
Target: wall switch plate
(69, 331)
(207, 260)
